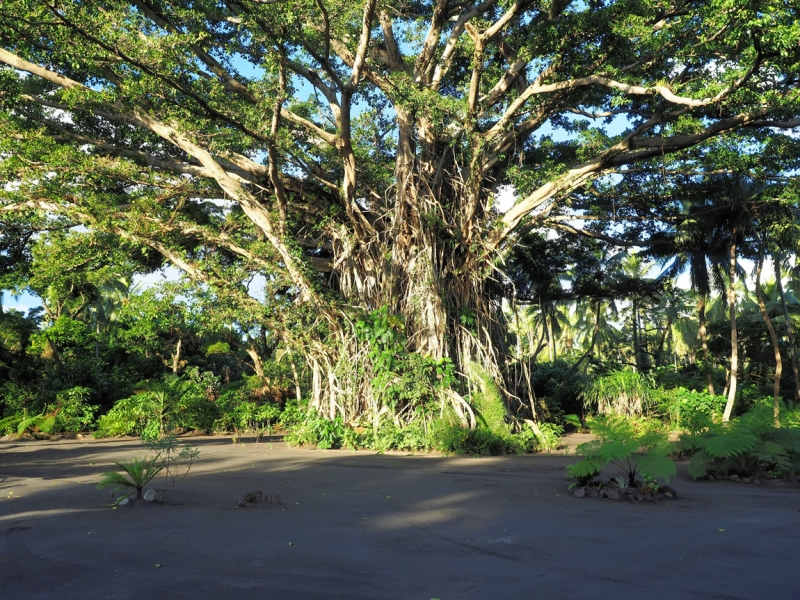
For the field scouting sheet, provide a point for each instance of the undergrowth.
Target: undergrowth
(747, 445)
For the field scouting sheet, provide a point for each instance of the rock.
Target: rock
(629, 491)
(718, 476)
(649, 498)
(603, 493)
(757, 481)
(734, 477)
(593, 493)
(747, 480)
(612, 494)
(637, 497)
(579, 492)
(726, 477)
(671, 490)
(149, 495)
(658, 496)
(792, 478)
(125, 500)
(710, 477)
(668, 496)
(765, 480)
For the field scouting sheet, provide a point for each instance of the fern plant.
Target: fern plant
(747, 445)
(44, 423)
(635, 448)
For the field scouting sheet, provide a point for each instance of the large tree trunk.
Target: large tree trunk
(701, 312)
(734, 372)
(776, 391)
(789, 329)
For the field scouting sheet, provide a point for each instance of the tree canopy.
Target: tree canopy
(352, 152)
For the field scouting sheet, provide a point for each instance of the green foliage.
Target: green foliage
(241, 412)
(400, 378)
(624, 393)
(633, 447)
(162, 405)
(37, 424)
(10, 423)
(747, 445)
(490, 409)
(557, 390)
(688, 409)
(318, 431)
(72, 411)
(548, 438)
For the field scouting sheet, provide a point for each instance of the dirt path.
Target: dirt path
(360, 525)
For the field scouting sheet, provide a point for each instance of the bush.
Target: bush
(634, 447)
(556, 394)
(10, 423)
(688, 409)
(160, 406)
(624, 393)
(241, 412)
(317, 431)
(72, 410)
(747, 445)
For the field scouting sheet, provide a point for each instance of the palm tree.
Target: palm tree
(773, 338)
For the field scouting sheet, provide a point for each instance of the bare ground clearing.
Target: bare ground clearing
(361, 525)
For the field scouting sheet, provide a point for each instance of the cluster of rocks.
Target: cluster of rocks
(757, 480)
(613, 492)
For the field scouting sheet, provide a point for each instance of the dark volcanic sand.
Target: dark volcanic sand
(360, 525)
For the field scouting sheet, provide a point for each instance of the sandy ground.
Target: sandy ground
(360, 525)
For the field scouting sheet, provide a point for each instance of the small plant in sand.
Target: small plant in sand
(633, 448)
(169, 458)
(136, 474)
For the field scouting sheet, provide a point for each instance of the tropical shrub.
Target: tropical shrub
(689, 409)
(72, 410)
(242, 409)
(318, 431)
(43, 423)
(557, 388)
(633, 447)
(158, 407)
(548, 436)
(747, 445)
(10, 423)
(624, 393)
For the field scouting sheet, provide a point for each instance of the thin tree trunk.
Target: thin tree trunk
(734, 344)
(776, 391)
(298, 392)
(176, 357)
(701, 311)
(636, 358)
(788, 320)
